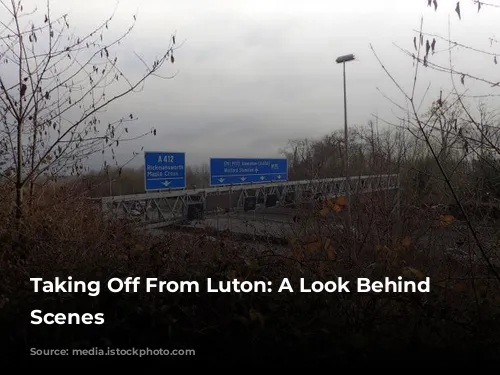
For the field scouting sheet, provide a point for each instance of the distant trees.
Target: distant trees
(198, 176)
(370, 152)
(112, 181)
(54, 86)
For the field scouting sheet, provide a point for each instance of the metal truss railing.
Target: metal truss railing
(170, 207)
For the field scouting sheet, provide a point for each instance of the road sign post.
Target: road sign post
(237, 171)
(164, 170)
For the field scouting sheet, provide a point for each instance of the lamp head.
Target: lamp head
(345, 58)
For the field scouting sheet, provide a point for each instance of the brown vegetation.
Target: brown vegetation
(445, 228)
(65, 235)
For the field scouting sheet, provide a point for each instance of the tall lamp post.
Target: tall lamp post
(342, 60)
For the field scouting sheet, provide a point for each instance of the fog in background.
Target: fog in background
(250, 75)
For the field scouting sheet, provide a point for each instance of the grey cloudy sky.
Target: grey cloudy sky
(253, 74)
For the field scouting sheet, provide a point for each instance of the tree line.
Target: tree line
(373, 149)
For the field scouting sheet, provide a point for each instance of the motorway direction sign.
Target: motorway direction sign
(164, 170)
(238, 171)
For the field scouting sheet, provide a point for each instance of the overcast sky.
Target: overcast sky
(253, 74)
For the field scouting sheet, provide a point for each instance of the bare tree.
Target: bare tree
(54, 87)
(453, 132)
(198, 176)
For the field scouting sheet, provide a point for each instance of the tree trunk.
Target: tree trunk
(31, 196)
(19, 206)
(19, 171)
(18, 244)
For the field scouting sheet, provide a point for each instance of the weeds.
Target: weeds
(66, 236)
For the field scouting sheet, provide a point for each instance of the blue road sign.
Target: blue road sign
(246, 171)
(164, 170)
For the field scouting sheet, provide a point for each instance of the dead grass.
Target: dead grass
(66, 236)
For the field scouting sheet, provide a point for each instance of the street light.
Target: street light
(342, 60)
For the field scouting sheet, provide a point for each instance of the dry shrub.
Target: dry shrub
(65, 235)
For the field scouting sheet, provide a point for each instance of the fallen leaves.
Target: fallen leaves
(330, 203)
(412, 273)
(315, 244)
(384, 251)
(406, 242)
(330, 252)
(334, 205)
(446, 220)
(324, 212)
(341, 201)
(337, 208)
(138, 249)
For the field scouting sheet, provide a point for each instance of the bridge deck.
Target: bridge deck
(172, 207)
